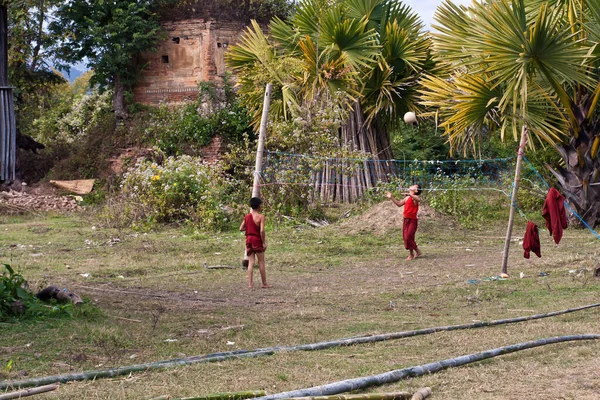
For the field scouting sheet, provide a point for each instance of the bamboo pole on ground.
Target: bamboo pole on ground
(365, 396)
(237, 354)
(420, 370)
(513, 198)
(248, 394)
(29, 392)
(421, 394)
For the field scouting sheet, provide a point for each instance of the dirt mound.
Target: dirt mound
(384, 217)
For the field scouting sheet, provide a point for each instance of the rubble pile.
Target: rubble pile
(13, 201)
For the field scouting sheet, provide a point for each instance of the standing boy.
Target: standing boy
(410, 224)
(254, 226)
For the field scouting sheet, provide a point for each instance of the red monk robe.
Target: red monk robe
(531, 241)
(254, 243)
(410, 224)
(554, 214)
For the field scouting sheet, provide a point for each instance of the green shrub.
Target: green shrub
(13, 288)
(182, 189)
(182, 129)
(17, 301)
(470, 199)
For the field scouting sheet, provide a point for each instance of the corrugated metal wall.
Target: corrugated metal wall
(8, 127)
(8, 135)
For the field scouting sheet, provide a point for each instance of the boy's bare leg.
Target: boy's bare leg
(419, 252)
(262, 269)
(250, 269)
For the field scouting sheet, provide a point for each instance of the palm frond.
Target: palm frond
(253, 47)
(349, 39)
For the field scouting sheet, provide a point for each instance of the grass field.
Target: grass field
(149, 298)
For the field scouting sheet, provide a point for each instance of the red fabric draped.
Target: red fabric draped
(554, 214)
(531, 241)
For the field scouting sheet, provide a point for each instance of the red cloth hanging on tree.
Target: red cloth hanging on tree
(554, 214)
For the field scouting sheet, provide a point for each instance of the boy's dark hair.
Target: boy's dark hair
(255, 202)
(419, 190)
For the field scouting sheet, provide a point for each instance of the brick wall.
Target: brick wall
(213, 151)
(192, 53)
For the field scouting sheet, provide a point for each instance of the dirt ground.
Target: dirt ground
(159, 301)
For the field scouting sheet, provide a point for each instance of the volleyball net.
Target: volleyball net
(347, 179)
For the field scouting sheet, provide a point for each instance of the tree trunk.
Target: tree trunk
(119, 99)
(372, 140)
(579, 178)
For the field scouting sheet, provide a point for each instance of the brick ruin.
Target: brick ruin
(193, 52)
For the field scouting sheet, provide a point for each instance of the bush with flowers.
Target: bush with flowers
(180, 189)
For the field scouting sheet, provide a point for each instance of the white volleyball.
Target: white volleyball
(410, 118)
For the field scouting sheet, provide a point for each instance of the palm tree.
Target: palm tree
(510, 65)
(364, 55)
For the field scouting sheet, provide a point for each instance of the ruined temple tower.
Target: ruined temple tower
(193, 52)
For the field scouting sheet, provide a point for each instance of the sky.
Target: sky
(426, 8)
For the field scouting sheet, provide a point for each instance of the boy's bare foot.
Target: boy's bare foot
(250, 286)
(409, 258)
(419, 254)
(266, 286)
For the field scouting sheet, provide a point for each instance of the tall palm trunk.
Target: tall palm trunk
(579, 178)
(347, 181)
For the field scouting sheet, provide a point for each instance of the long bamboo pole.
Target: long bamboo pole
(262, 133)
(261, 141)
(248, 394)
(29, 392)
(217, 357)
(364, 396)
(420, 370)
(421, 394)
(513, 198)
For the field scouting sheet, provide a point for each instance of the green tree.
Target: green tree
(110, 35)
(228, 10)
(31, 48)
(509, 64)
(363, 54)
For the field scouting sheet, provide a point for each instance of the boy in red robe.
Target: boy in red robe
(410, 224)
(254, 226)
